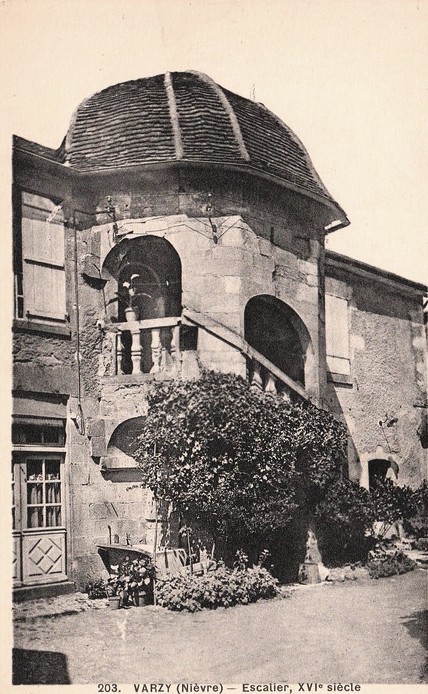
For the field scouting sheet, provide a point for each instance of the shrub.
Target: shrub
(97, 589)
(345, 518)
(391, 503)
(344, 521)
(384, 564)
(238, 463)
(221, 587)
(421, 544)
(134, 577)
(416, 524)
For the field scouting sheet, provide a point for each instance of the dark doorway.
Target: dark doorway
(377, 470)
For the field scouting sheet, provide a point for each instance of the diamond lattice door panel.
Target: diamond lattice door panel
(44, 557)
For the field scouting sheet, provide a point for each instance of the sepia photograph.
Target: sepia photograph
(215, 346)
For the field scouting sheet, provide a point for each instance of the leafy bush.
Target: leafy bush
(384, 564)
(416, 524)
(97, 589)
(236, 461)
(344, 521)
(391, 503)
(422, 544)
(222, 587)
(135, 577)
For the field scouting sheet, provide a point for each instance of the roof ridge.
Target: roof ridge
(173, 114)
(236, 128)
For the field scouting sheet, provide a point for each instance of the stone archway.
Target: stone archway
(276, 331)
(154, 266)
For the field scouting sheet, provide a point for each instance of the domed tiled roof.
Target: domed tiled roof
(187, 117)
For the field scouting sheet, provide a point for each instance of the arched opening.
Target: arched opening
(152, 268)
(277, 332)
(378, 470)
(147, 270)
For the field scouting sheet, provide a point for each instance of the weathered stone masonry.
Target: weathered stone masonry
(225, 214)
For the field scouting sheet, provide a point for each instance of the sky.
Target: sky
(350, 77)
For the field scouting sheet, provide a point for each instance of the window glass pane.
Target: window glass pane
(53, 468)
(34, 470)
(26, 433)
(53, 493)
(53, 516)
(34, 493)
(53, 434)
(35, 517)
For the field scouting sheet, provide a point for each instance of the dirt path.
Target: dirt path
(362, 632)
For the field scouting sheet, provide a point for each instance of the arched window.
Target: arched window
(150, 294)
(152, 267)
(277, 332)
(145, 273)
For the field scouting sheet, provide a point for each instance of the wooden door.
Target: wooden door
(39, 533)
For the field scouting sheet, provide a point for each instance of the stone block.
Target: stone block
(232, 285)
(306, 293)
(96, 427)
(265, 247)
(233, 236)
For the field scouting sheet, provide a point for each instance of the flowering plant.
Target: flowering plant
(130, 290)
(134, 578)
(128, 293)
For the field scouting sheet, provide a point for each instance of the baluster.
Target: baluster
(156, 350)
(256, 378)
(270, 385)
(119, 353)
(175, 346)
(286, 393)
(136, 351)
(164, 338)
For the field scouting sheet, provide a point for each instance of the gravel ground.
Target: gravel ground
(364, 631)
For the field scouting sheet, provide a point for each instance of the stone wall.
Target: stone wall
(388, 376)
(267, 242)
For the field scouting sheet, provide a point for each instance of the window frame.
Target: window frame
(22, 455)
(337, 375)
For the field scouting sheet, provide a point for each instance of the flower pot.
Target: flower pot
(140, 600)
(114, 602)
(131, 314)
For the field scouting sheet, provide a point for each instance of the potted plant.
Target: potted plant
(127, 296)
(131, 293)
(97, 590)
(133, 584)
(115, 592)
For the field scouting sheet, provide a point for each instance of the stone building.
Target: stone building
(200, 211)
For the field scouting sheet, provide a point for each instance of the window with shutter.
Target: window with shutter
(40, 287)
(337, 335)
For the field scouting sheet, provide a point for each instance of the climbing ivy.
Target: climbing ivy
(237, 461)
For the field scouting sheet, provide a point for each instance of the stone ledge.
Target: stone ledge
(340, 379)
(23, 325)
(47, 590)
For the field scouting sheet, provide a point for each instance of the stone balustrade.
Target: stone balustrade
(147, 346)
(153, 346)
(261, 378)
